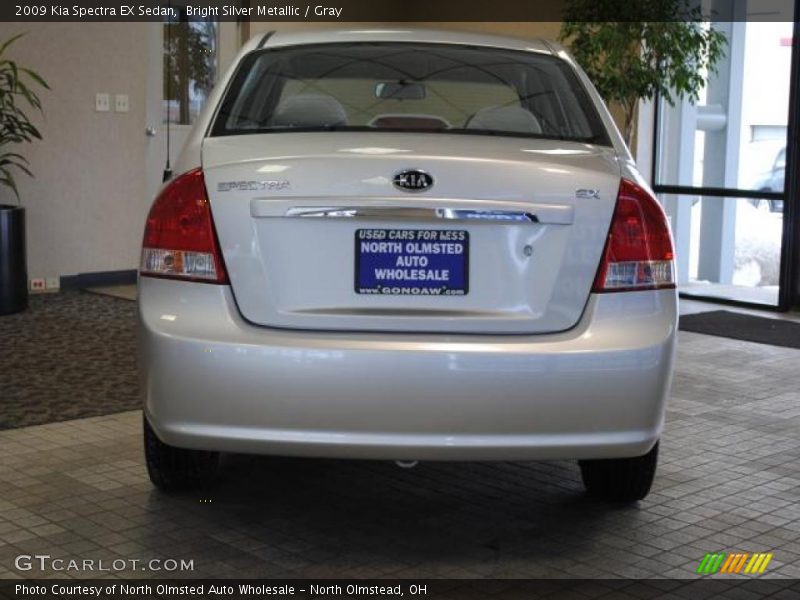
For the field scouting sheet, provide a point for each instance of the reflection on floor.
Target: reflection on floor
(729, 480)
(766, 295)
(688, 306)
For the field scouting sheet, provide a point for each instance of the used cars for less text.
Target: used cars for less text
(407, 246)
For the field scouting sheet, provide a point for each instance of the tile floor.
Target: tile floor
(729, 480)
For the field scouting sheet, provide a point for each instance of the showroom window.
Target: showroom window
(720, 166)
(190, 67)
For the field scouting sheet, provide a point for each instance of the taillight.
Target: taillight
(179, 238)
(639, 253)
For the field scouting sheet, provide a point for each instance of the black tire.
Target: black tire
(176, 469)
(623, 480)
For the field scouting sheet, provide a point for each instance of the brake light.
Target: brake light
(639, 254)
(179, 237)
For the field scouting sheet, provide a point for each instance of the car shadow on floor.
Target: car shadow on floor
(447, 516)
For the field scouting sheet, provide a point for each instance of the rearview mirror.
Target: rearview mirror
(400, 90)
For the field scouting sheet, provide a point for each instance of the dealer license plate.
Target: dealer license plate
(412, 262)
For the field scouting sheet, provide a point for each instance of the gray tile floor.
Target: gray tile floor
(729, 480)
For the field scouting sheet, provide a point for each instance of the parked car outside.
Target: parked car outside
(772, 181)
(406, 245)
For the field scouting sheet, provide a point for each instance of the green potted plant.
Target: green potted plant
(15, 128)
(670, 52)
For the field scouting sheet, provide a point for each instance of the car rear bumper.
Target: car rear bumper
(213, 381)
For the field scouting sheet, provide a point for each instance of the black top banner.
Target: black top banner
(383, 10)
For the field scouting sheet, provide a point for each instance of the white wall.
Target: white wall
(86, 207)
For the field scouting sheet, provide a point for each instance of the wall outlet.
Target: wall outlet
(53, 283)
(102, 102)
(38, 284)
(121, 103)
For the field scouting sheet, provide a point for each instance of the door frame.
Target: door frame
(789, 279)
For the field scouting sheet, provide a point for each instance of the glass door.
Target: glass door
(720, 165)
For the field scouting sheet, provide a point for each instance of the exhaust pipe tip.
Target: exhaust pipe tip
(406, 464)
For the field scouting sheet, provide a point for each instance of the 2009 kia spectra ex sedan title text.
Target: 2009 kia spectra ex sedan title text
(407, 245)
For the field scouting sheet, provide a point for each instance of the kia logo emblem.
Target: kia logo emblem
(413, 180)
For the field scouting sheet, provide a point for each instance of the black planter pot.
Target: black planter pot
(13, 263)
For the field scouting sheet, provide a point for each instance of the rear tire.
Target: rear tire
(623, 480)
(175, 469)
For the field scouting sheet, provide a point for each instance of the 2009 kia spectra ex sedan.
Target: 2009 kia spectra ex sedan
(408, 246)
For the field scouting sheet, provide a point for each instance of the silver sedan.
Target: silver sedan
(406, 246)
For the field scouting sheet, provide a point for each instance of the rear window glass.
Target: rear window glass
(428, 88)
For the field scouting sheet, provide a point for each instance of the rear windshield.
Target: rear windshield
(430, 88)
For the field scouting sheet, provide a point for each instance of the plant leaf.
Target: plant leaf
(36, 77)
(10, 41)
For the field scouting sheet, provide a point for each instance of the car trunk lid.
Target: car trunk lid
(511, 229)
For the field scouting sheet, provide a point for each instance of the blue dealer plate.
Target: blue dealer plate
(412, 262)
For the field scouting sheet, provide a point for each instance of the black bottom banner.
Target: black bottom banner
(434, 589)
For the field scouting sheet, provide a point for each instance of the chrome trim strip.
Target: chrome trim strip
(410, 212)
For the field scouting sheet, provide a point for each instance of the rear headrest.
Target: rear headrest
(505, 118)
(309, 110)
